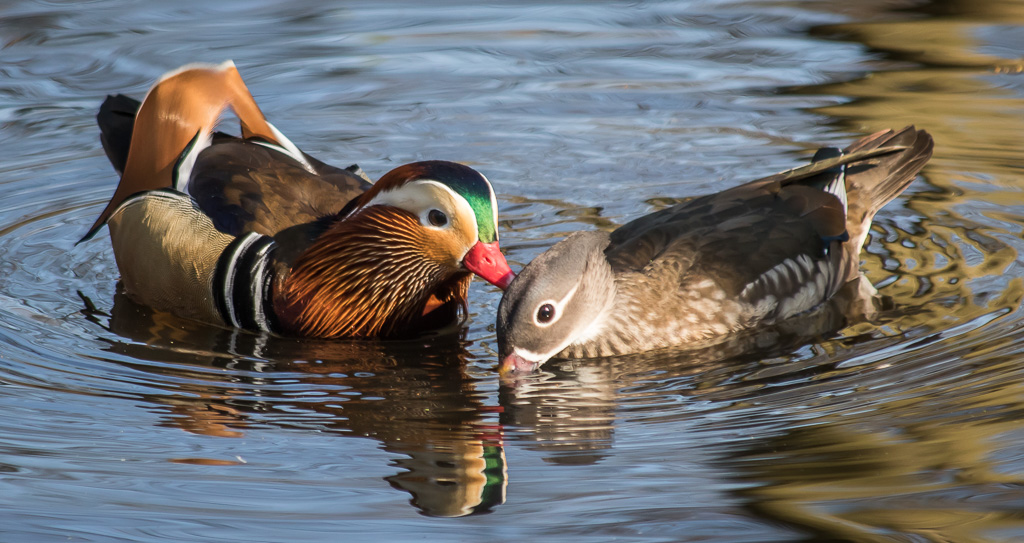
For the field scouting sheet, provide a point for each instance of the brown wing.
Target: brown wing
(798, 186)
(258, 184)
(732, 237)
(245, 186)
(738, 235)
(148, 143)
(182, 107)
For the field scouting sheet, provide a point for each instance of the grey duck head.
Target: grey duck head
(559, 299)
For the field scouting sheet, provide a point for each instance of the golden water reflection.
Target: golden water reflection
(957, 255)
(939, 461)
(941, 482)
(947, 79)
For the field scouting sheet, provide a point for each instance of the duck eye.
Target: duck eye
(545, 313)
(437, 218)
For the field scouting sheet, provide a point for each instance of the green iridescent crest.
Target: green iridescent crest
(472, 186)
(484, 217)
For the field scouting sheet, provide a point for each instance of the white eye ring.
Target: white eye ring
(557, 307)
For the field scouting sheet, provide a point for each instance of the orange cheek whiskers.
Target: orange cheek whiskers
(366, 276)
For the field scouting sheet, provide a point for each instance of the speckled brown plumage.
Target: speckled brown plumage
(756, 253)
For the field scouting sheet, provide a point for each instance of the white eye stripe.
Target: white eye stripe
(559, 305)
(421, 196)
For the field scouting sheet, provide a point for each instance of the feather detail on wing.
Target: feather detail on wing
(263, 184)
(178, 116)
(746, 237)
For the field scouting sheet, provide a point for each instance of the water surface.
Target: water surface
(902, 424)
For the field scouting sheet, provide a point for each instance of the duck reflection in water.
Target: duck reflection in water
(569, 409)
(414, 397)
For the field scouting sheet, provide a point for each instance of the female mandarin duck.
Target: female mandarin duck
(251, 232)
(690, 274)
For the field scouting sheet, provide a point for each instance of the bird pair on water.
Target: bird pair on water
(253, 233)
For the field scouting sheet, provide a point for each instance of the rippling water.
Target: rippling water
(905, 424)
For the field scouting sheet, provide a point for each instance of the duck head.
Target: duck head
(401, 250)
(455, 207)
(560, 299)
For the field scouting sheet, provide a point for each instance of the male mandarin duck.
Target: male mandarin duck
(253, 233)
(693, 273)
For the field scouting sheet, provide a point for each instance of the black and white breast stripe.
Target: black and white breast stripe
(242, 281)
(837, 184)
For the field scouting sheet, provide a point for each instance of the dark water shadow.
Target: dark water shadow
(414, 397)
